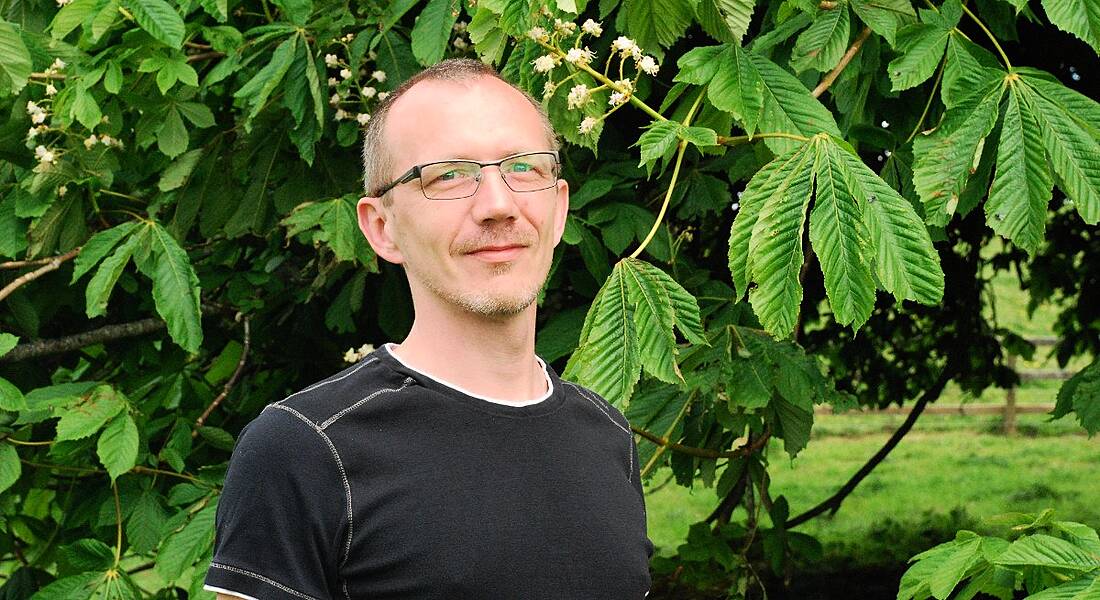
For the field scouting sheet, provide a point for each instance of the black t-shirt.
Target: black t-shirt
(382, 482)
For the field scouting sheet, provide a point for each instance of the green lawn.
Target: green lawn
(939, 478)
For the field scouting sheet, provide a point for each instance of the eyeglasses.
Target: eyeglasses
(455, 179)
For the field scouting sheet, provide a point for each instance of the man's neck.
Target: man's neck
(489, 357)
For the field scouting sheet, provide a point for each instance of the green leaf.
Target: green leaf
(145, 523)
(67, 588)
(7, 342)
(175, 287)
(792, 424)
(607, 359)
(1042, 550)
(1081, 394)
(725, 20)
(90, 414)
(964, 555)
(118, 445)
(658, 142)
(217, 437)
(69, 17)
(964, 73)
(698, 65)
(884, 16)
(1079, 17)
(737, 87)
(88, 555)
(775, 249)
(106, 17)
(1021, 189)
(947, 157)
(15, 60)
(10, 467)
(172, 138)
(789, 107)
(560, 335)
(296, 11)
(1084, 110)
(653, 321)
(762, 187)
(1082, 588)
(1074, 154)
(176, 174)
(219, 9)
(822, 44)
(488, 38)
(11, 398)
(656, 24)
(905, 261)
(259, 88)
(159, 19)
(432, 31)
(187, 545)
(921, 47)
(102, 283)
(840, 240)
(98, 247)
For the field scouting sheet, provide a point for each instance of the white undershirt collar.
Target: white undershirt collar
(549, 383)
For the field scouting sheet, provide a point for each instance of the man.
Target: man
(456, 464)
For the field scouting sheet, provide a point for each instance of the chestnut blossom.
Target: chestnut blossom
(331, 60)
(587, 125)
(90, 141)
(333, 82)
(592, 28)
(340, 115)
(50, 89)
(379, 76)
(459, 26)
(617, 98)
(334, 100)
(345, 73)
(566, 27)
(579, 95)
(648, 65)
(363, 118)
(625, 85)
(58, 64)
(43, 154)
(61, 191)
(548, 89)
(579, 56)
(627, 46)
(355, 355)
(382, 96)
(538, 34)
(460, 44)
(368, 92)
(38, 117)
(544, 63)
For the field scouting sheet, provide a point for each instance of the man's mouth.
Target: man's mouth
(498, 252)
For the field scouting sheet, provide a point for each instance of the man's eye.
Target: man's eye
(521, 167)
(448, 175)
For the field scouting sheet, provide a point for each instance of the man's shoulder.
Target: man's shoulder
(325, 401)
(589, 400)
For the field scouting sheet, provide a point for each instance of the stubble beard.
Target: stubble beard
(486, 304)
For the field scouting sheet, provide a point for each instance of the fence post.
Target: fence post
(1010, 402)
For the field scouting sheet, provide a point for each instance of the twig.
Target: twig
(733, 140)
(743, 450)
(73, 342)
(228, 384)
(20, 264)
(844, 60)
(652, 462)
(204, 56)
(57, 76)
(832, 503)
(80, 471)
(53, 264)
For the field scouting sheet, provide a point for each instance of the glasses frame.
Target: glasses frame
(414, 173)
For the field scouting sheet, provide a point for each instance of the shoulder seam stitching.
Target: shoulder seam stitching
(328, 381)
(266, 580)
(329, 421)
(339, 466)
(629, 435)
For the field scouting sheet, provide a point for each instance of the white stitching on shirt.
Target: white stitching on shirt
(271, 582)
(629, 435)
(346, 410)
(339, 465)
(328, 381)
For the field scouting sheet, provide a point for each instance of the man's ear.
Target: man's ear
(375, 223)
(561, 210)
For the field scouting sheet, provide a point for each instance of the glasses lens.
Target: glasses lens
(449, 180)
(530, 172)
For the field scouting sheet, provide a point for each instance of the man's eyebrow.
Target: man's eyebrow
(506, 154)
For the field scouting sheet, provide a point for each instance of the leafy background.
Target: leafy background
(177, 220)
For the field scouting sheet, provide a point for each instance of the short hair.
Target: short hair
(376, 161)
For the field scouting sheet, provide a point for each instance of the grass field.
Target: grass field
(949, 473)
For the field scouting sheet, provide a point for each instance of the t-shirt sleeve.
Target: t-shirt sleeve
(282, 515)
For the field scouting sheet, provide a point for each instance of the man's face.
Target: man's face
(487, 254)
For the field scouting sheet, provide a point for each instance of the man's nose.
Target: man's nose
(494, 200)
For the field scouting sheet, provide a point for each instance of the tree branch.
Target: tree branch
(69, 343)
(228, 384)
(53, 264)
(832, 503)
(194, 58)
(844, 60)
(738, 452)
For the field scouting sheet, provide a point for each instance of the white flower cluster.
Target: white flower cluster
(103, 138)
(579, 95)
(538, 34)
(587, 125)
(34, 131)
(579, 56)
(355, 355)
(566, 27)
(347, 39)
(460, 42)
(545, 63)
(627, 47)
(346, 85)
(592, 28)
(44, 155)
(331, 60)
(37, 113)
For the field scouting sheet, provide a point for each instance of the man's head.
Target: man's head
(487, 253)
